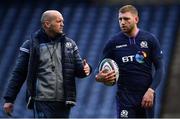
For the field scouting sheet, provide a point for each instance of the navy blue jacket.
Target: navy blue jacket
(27, 65)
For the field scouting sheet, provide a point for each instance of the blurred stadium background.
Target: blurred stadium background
(91, 23)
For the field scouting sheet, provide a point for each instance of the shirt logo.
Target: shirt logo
(121, 46)
(144, 44)
(124, 113)
(138, 57)
(127, 58)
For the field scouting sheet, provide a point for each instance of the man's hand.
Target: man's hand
(104, 76)
(8, 108)
(148, 99)
(86, 67)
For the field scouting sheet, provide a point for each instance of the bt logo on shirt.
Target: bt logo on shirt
(139, 57)
(127, 58)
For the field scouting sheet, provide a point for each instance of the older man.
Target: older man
(49, 61)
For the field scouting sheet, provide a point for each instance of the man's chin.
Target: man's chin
(60, 32)
(124, 30)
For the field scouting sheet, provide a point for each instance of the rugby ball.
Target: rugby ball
(109, 65)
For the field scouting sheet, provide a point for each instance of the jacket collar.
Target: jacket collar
(43, 37)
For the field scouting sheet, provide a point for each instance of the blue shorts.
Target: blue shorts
(51, 109)
(129, 105)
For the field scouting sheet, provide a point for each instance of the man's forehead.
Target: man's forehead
(125, 14)
(60, 17)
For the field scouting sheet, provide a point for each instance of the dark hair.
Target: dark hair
(128, 8)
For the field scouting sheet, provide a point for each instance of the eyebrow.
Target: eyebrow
(124, 18)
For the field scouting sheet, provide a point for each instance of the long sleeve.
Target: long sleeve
(159, 73)
(19, 73)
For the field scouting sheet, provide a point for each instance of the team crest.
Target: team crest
(124, 113)
(68, 45)
(144, 44)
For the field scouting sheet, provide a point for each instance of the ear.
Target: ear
(47, 24)
(137, 19)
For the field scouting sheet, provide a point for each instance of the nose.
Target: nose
(122, 22)
(62, 24)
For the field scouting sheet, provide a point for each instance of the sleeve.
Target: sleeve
(159, 73)
(157, 59)
(156, 49)
(79, 68)
(18, 74)
(106, 53)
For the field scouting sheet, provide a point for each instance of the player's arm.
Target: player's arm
(157, 56)
(157, 59)
(17, 78)
(102, 76)
(159, 73)
(148, 98)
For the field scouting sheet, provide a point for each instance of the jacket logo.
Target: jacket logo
(68, 45)
(144, 44)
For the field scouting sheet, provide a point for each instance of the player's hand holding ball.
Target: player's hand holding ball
(108, 72)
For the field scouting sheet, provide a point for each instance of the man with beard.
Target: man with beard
(135, 51)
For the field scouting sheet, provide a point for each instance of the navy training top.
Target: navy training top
(134, 57)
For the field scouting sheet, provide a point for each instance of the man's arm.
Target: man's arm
(159, 73)
(18, 77)
(82, 68)
(102, 76)
(157, 56)
(148, 98)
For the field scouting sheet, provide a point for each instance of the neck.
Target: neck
(50, 34)
(134, 32)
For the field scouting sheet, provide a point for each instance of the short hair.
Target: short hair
(48, 15)
(128, 8)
